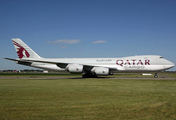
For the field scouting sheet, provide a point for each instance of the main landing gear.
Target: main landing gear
(89, 75)
(156, 76)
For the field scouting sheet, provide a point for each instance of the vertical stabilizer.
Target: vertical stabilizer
(23, 50)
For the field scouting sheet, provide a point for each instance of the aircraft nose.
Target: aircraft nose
(173, 65)
(169, 65)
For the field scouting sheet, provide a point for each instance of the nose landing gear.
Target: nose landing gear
(155, 76)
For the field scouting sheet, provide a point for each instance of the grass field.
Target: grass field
(91, 98)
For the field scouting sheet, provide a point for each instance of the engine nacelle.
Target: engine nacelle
(101, 71)
(75, 68)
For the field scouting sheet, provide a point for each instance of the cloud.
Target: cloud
(100, 41)
(65, 41)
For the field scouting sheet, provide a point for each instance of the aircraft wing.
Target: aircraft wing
(59, 64)
(36, 60)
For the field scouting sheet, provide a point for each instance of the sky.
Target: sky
(88, 28)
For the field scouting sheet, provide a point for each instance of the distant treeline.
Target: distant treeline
(22, 71)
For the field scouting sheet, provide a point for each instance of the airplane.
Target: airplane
(90, 67)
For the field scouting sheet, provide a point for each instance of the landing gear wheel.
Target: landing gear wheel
(89, 75)
(85, 76)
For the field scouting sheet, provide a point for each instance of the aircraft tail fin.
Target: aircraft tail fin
(23, 50)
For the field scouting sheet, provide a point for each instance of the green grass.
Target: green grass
(87, 99)
(37, 74)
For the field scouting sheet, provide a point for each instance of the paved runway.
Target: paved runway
(61, 77)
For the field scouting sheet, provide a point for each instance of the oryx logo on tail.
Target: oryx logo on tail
(21, 51)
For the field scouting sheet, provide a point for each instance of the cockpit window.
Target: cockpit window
(161, 57)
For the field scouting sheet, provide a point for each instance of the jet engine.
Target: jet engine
(75, 68)
(101, 71)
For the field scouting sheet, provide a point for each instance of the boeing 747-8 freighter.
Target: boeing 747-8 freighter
(90, 66)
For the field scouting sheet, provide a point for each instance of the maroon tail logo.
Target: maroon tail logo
(21, 50)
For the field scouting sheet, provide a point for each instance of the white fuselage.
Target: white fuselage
(150, 63)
